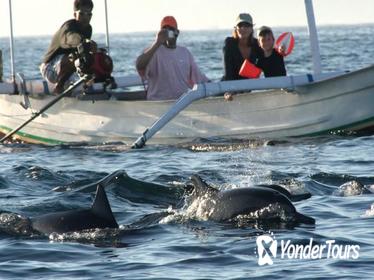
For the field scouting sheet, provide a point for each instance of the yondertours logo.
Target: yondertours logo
(267, 250)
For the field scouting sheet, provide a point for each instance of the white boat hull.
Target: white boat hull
(343, 102)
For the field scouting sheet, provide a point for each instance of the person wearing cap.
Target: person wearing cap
(57, 68)
(271, 62)
(169, 69)
(241, 46)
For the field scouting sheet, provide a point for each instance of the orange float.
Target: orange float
(285, 43)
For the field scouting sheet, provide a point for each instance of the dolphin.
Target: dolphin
(100, 215)
(229, 204)
(132, 189)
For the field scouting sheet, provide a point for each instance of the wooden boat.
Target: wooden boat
(267, 108)
(307, 109)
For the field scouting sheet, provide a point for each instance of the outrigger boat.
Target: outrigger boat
(278, 107)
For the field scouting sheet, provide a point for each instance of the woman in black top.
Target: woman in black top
(242, 45)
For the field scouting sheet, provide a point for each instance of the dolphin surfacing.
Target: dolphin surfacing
(242, 201)
(100, 215)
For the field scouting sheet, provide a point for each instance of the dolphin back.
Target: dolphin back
(98, 216)
(292, 197)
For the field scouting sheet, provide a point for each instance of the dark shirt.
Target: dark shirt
(233, 59)
(59, 43)
(273, 65)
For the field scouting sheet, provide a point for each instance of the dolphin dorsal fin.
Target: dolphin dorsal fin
(101, 206)
(200, 187)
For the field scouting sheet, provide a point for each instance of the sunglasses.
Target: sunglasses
(89, 14)
(245, 25)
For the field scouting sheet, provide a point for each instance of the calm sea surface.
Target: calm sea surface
(36, 180)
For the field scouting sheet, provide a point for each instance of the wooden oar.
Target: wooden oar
(213, 89)
(47, 106)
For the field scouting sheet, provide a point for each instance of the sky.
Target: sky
(44, 17)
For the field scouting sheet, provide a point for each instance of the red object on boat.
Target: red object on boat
(103, 65)
(285, 43)
(249, 70)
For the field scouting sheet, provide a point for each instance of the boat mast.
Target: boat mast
(11, 42)
(107, 27)
(313, 36)
(1, 66)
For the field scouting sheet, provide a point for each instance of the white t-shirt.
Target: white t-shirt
(171, 72)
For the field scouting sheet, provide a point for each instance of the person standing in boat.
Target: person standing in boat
(271, 62)
(170, 70)
(241, 46)
(57, 68)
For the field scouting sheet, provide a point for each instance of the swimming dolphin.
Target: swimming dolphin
(226, 205)
(98, 216)
(132, 189)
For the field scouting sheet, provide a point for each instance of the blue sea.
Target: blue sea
(160, 236)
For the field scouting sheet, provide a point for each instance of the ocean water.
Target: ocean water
(161, 236)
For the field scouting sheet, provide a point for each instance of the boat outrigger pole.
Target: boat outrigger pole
(11, 42)
(313, 37)
(107, 27)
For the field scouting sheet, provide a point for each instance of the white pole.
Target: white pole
(313, 36)
(107, 26)
(1, 66)
(11, 41)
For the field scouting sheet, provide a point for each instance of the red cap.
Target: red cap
(169, 21)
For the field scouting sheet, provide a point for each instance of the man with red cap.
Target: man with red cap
(170, 70)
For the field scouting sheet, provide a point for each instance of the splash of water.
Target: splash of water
(369, 213)
(15, 224)
(351, 188)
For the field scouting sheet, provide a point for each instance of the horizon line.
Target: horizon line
(194, 30)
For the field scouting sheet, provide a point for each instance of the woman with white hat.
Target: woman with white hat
(241, 46)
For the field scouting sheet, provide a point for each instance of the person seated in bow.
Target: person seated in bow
(240, 47)
(271, 61)
(169, 69)
(57, 68)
